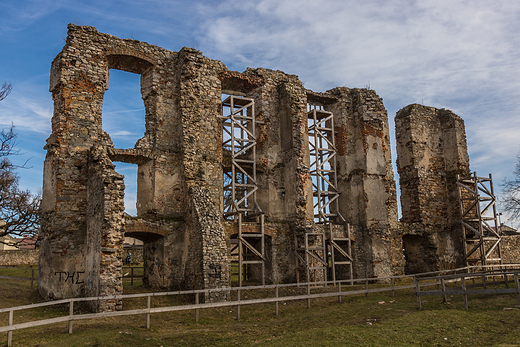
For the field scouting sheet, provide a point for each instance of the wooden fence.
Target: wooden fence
(332, 289)
(440, 282)
(34, 272)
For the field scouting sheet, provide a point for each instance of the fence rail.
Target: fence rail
(441, 281)
(384, 284)
(32, 278)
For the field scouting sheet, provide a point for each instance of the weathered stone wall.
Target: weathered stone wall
(431, 152)
(181, 161)
(510, 249)
(19, 257)
(365, 177)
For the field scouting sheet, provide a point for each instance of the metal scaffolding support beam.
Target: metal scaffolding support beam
(322, 148)
(340, 253)
(249, 252)
(239, 157)
(479, 220)
(311, 257)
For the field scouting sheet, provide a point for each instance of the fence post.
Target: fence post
(417, 291)
(505, 280)
(32, 278)
(276, 302)
(463, 284)
(238, 306)
(71, 313)
(10, 332)
(443, 284)
(197, 310)
(392, 286)
(339, 291)
(517, 286)
(308, 293)
(148, 305)
(366, 287)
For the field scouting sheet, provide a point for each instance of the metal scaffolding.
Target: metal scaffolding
(311, 257)
(240, 185)
(322, 148)
(479, 220)
(340, 253)
(239, 157)
(249, 252)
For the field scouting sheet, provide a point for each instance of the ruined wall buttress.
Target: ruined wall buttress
(431, 150)
(365, 177)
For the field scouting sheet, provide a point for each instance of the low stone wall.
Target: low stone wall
(510, 249)
(19, 257)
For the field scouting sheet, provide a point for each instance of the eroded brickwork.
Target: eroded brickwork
(431, 151)
(181, 161)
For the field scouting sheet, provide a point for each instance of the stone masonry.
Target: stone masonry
(181, 160)
(431, 152)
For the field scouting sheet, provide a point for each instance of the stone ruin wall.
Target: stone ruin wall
(180, 163)
(431, 152)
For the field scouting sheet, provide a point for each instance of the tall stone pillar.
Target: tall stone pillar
(365, 177)
(77, 85)
(431, 151)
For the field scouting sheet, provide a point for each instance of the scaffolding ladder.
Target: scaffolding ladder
(480, 231)
(340, 254)
(311, 257)
(249, 252)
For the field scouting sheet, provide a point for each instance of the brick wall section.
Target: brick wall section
(180, 171)
(431, 151)
(365, 177)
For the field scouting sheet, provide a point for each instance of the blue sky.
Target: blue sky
(459, 55)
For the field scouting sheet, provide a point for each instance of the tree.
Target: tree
(511, 201)
(18, 208)
(5, 90)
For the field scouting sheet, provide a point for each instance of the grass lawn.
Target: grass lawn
(376, 320)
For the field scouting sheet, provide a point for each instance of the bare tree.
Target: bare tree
(5, 90)
(511, 201)
(18, 208)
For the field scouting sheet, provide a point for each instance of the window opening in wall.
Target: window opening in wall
(124, 120)
(239, 156)
(322, 150)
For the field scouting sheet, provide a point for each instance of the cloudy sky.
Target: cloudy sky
(454, 54)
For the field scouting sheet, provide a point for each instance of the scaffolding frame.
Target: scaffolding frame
(323, 154)
(480, 231)
(340, 253)
(246, 252)
(311, 257)
(239, 149)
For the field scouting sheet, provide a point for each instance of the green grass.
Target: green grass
(374, 320)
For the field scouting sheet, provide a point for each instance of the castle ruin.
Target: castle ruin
(244, 167)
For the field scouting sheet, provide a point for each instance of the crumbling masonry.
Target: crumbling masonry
(182, 165)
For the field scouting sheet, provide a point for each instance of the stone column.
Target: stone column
(365, 178)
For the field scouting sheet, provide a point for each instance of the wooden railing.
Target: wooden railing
(32, 278)
(332, 289)
(483, 280)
